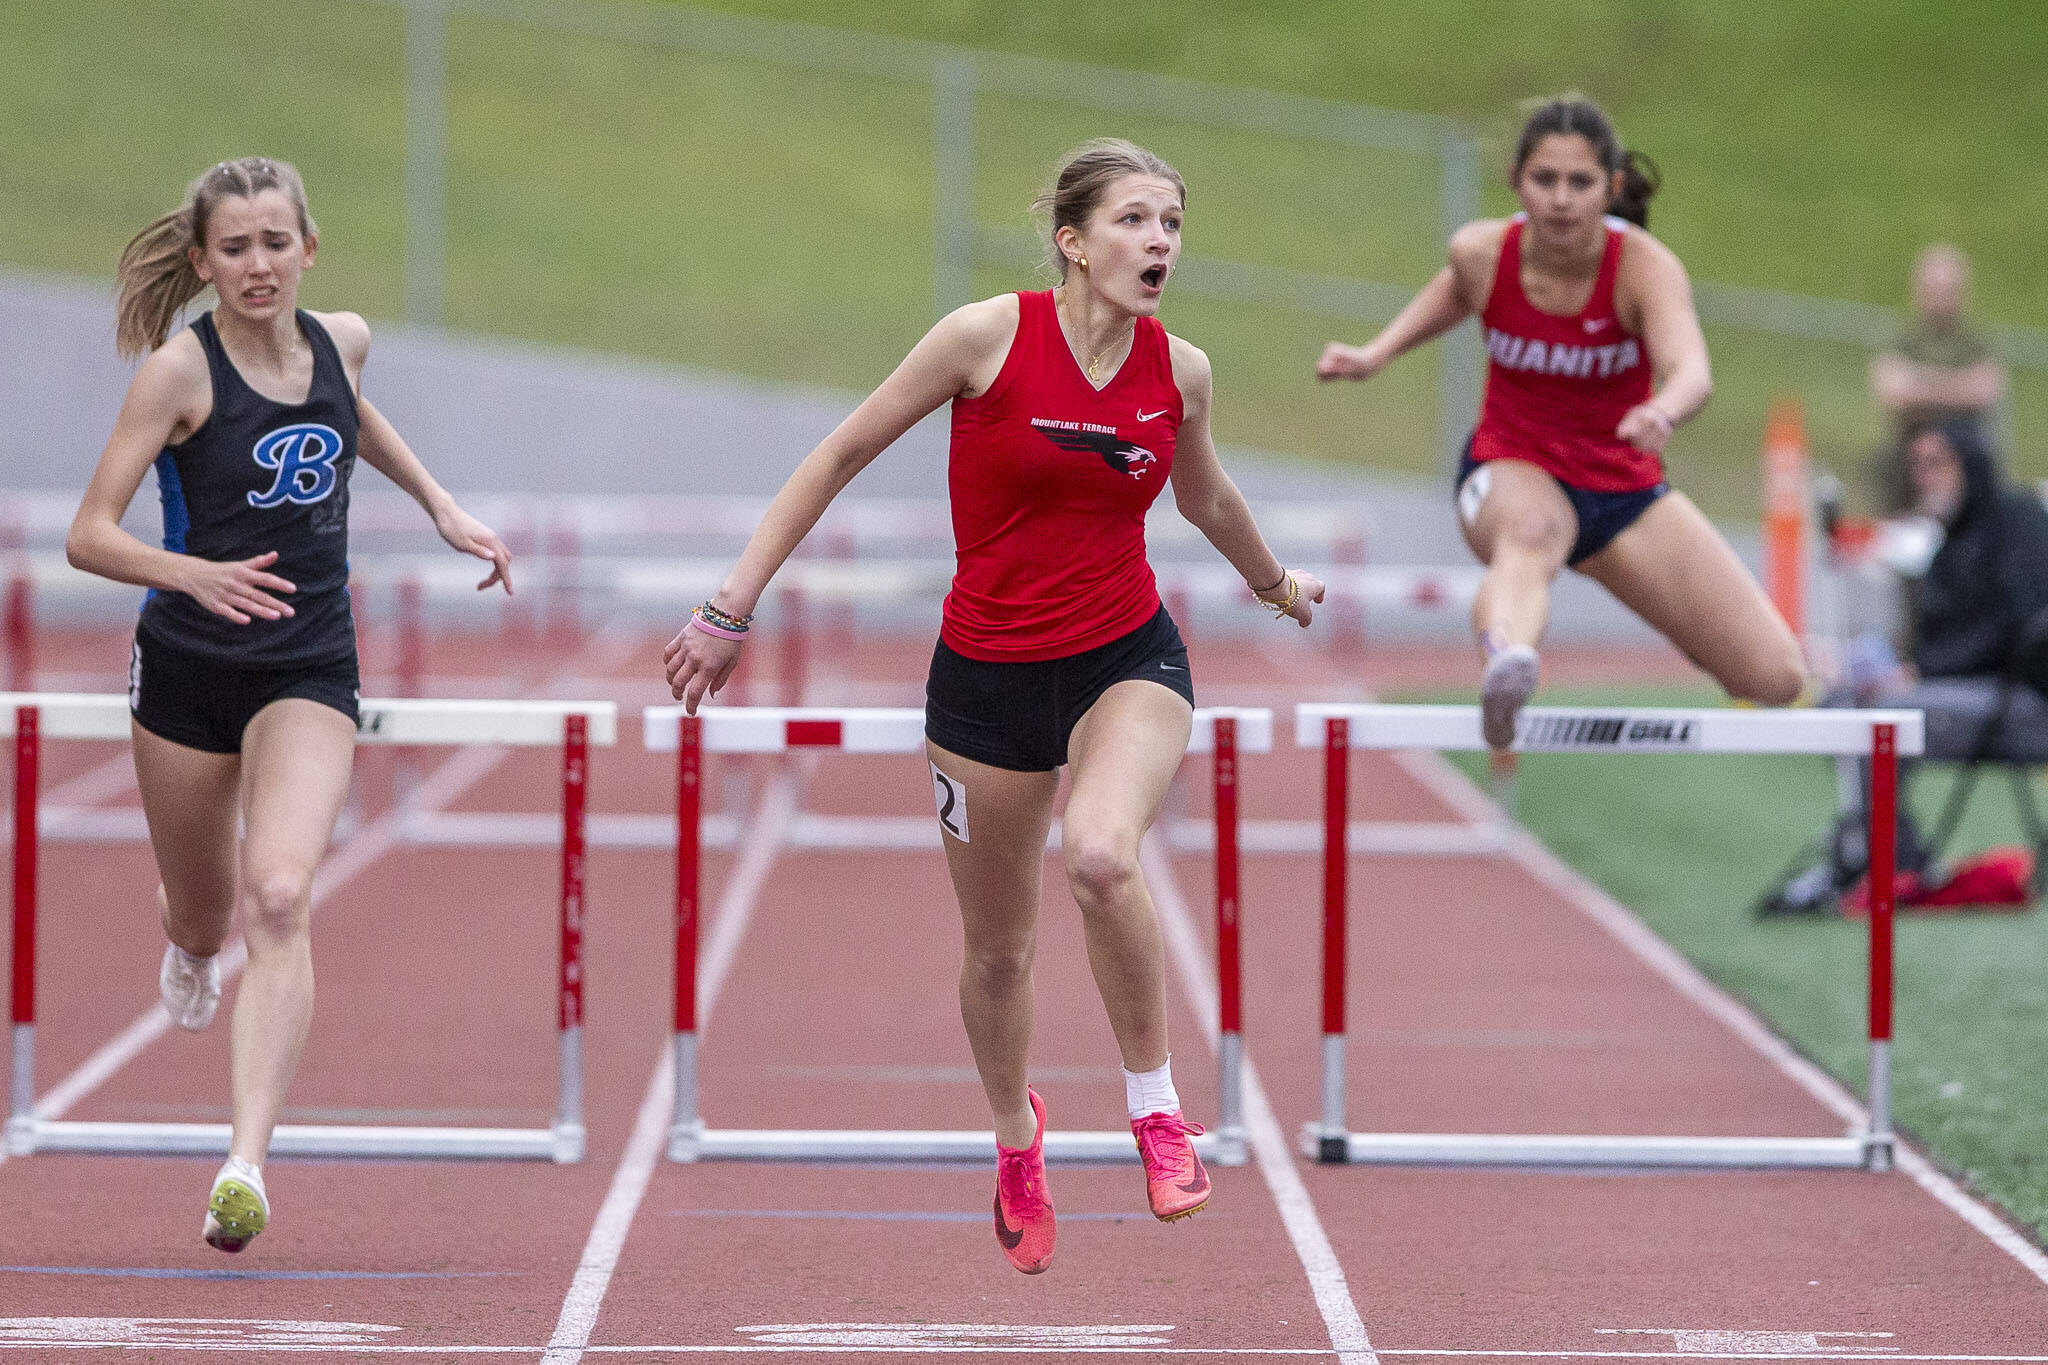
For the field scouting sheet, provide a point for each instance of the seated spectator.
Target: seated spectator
(1940, 371)
(1979, 667)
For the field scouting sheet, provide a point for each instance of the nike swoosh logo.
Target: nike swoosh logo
(1195, 1186)
(1172, 668)
(1594, 324)
(1144, 416)
(1005, 1234)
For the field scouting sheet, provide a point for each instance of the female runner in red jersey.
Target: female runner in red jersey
(1585, 312)
(1071, 410)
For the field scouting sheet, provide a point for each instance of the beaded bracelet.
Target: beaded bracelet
(710, 627)
(719, 617)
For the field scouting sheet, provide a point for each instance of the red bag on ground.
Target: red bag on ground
(1997, 879)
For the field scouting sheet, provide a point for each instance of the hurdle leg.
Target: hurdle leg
(409, 662)
(1884, 805)
(793, 659)
(1331, 1143)
(568, 1125)
(21, 628)
(686, 1125)
(1231, 1134)
(21, 1085)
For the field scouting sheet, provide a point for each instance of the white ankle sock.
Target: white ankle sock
(1150, 1092)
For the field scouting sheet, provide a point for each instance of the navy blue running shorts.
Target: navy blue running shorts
(1602, 516)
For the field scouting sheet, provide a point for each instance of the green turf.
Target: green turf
(739, 215)
(1689, 842)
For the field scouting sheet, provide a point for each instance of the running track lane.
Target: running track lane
(1442, 1261)
(1486, 996)
(436, 985)
(840, 1010)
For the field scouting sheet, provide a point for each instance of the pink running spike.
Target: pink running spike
(1024, 1219)
(1175, 1181)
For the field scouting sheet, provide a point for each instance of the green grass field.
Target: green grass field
(1689, 843)
(743, 215)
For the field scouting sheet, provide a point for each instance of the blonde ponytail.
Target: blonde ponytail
(155, 279)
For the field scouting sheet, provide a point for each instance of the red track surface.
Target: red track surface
(1482, 1000)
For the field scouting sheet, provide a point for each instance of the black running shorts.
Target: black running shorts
(205, 703)
(1020, 715)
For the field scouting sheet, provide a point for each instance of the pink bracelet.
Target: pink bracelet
(707, 628)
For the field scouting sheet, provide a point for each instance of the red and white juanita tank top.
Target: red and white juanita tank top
(1050, 481)
(1556, 387)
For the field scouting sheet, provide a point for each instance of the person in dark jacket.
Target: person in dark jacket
(1979, 656)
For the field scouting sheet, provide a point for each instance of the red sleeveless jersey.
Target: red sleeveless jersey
(1556, 387)
(1050, 480)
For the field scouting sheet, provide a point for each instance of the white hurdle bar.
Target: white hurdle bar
(31, 717)
(1223, 732)
(1882, 736)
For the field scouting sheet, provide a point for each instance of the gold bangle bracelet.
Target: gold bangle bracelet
(1293, 595)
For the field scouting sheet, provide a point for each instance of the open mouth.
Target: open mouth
(1153, 276)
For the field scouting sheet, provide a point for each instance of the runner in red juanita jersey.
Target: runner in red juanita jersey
(1594, 356)
(1072, 410)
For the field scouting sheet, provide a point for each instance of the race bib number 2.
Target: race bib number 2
(952, 800)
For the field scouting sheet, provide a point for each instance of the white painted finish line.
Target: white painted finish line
(965, 1336)
(1724, 1340)
(281, 1337)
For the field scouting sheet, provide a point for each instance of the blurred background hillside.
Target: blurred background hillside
(736, 190)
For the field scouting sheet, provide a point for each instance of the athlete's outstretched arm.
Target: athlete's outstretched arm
(379, 445)
(384, 450)
(1210, 500)
(171, 394)
(1452, 295)
(1685, 379)
(1431, 313)
(937, 368)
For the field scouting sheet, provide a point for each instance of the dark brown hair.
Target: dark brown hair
(1084, 176)
(1574, 113)
(155, 279)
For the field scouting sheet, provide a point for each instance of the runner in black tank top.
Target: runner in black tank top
(261, 475)
(243, 678)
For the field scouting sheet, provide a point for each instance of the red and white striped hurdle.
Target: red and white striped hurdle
(34, 717)
(1882, 736)
(1223, 732)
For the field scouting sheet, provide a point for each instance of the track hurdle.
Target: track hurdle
(1882, 736)
(1223, 732)
(32, 717)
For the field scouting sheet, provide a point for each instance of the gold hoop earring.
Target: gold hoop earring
(1081, 261)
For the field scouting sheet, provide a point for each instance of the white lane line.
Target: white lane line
(601, 1250)
(1319, 1261)
(1624, 924)
(52, 1341)
(28, 1343)
(1483, 1354)
(1462, 795)
(443, 786)
(765, 836)
(614, 1219)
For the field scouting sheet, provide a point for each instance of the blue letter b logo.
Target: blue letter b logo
(303, 456)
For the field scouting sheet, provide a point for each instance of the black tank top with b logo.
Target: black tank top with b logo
(260, 475)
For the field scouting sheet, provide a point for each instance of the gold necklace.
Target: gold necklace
(1096, 360)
